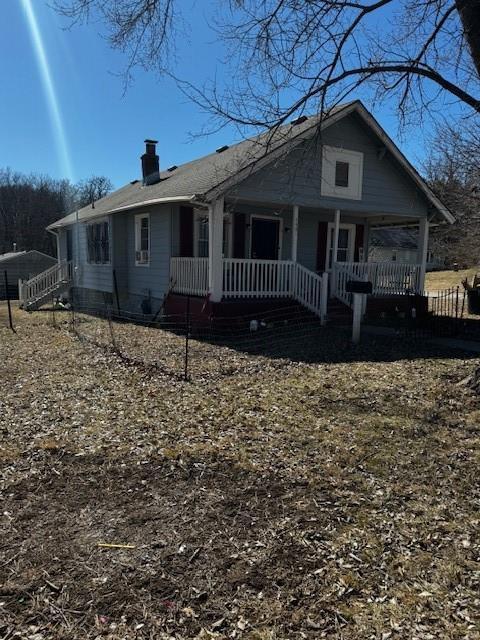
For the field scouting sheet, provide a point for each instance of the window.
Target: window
(201, 232)
(98, 243)
(346, 242)
(201, 235)
(227, 235)
(142, 240)
(342, 173)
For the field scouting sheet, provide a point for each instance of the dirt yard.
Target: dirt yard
(291, 499)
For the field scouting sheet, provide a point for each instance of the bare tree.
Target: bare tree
(92, 189)
(288, 56)
(453, 171)
(29, 203)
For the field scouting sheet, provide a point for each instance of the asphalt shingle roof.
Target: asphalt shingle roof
(394, 238)
(12, 254)
(198, 176)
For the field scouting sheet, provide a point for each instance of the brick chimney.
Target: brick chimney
(150, 163)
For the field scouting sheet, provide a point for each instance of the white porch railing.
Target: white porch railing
(387, 278)
(45, 283)
(189, 276)
(257, 278)
(243, 278)
(311, 290)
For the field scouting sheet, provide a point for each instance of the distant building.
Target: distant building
(399, 245)
(21, 265)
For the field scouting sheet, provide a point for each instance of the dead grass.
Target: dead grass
(438, 280)
(331, 499)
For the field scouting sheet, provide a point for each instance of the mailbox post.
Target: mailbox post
(360, 289)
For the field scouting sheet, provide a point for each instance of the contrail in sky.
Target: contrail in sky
(49, 88)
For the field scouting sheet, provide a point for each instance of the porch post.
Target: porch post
(336, 230)
(422, 252)
(215, 245)
(366, 240)
(294, 233)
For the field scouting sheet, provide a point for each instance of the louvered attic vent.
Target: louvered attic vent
(221, 149)
(172, 168)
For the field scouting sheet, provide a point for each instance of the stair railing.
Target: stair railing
(45, 283)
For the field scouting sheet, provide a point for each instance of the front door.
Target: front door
(265, 239)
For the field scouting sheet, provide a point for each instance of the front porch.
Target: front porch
(306, 256)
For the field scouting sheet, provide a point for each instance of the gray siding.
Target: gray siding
(62, 244)
(296, 178)
(151, 280)
(92, 276)
(88, 276)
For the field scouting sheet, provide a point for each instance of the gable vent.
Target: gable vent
(221, 149)
(299, 120)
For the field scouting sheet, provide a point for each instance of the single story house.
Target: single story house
(287, 214)
(399, 245)
(21, 265)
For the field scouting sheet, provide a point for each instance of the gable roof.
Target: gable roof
(205, 179)
(18, 254)
(394, 238)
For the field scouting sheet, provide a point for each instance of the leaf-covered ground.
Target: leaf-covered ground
(289, 499)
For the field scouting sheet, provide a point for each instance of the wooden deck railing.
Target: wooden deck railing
(243, 278)
(189, 276)
(257, 278)
(387, 278)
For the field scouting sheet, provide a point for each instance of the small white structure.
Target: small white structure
(398, 245)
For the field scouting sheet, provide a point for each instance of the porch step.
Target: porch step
(46, 296)
(41, 288)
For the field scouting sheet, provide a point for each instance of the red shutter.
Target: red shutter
(322, 245)
(359, 231)
(239, 235)
(186, 232)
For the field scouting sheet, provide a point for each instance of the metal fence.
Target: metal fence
(187, 346)
(446, 315)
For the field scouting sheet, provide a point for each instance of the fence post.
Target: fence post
(187, 336)
(54, 323)
(72, 306)
(108, 314)
(115, 284)
(7, 294)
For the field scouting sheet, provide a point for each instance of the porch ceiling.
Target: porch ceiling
(375, 218)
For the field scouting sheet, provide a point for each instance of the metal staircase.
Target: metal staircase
(37, 291)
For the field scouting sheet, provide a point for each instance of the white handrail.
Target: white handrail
(387, 278)
(45, 283)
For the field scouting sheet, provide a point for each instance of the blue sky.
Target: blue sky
(103, 129)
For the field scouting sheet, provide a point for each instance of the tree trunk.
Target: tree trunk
(469, 11)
